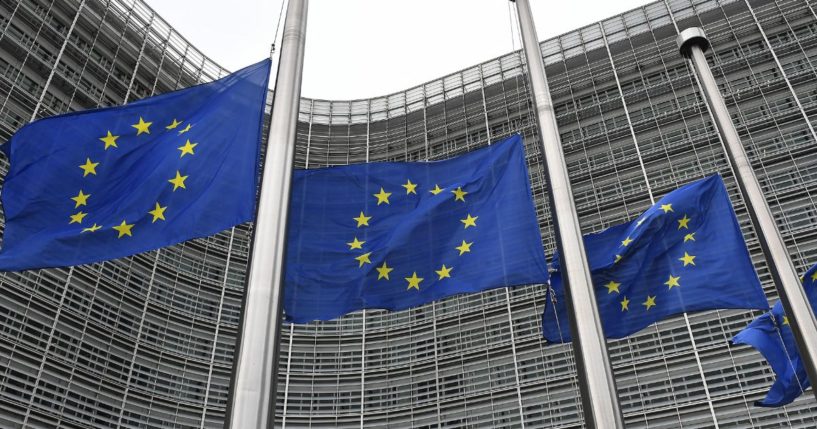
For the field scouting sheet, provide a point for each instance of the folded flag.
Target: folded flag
(398, 235)
(771, 335)
(101, 184)
(685, 253)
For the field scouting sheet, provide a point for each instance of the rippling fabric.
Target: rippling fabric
(397, 235)
(101, 184)
(771, 335)
(685, 253)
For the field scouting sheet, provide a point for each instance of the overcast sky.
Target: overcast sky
(366, 48)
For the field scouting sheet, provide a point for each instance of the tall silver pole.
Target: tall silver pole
(692, 43)
(598, 387)
(255, 378)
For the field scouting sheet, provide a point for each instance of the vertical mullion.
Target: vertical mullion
(782, 71)
(363, 328)
(13, 83)
(129, 378)
(48, 343)
(217, 330)
(119, 43)
(57, 60)
(139, 57)
(289, 373)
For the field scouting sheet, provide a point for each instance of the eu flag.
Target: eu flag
(101, 184)
(685, 253)
(771, 335)
(398, 235)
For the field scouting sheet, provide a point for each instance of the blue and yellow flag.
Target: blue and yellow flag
(771, 335)
(397, 235)
(102, 184)
(685, 253)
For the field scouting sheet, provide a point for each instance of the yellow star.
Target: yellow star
(124, 229)
(444, 272)
(89, 167)
(362, 220)
(383, 271)
(464, 247)
(618, 258)
(185, 129)
(109, 140)
(178, 181)
(684, 222)
(413, 281)
(142, 126)
(81, 199)
(626, 241)
(650, 302)
(625, 304)
(410, 187)
(612, 287)
(92, 228)
(640, 221)
(687, 259)
(673, 281)
(437, 189)
(667, 208)
(187, 148)
(814, 276)
(785, 320)
(356, 244)
(77, 218)
(689, 237)
(174, 124)
(382, 196)
(158, 212)
(469, 221)
(459, 194)
(363, 259)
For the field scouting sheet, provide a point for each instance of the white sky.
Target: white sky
(367, 48)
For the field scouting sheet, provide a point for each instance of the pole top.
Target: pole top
(691, 37)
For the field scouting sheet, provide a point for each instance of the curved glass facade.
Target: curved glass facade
(148, 341)
(145, 341)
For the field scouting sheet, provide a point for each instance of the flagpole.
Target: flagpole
(252, 403)
(598, 388)
(693, 43)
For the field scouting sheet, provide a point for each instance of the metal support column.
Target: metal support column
(139, 58)
(56, 62)
(598, 388)
(253, 396)
(692, 43)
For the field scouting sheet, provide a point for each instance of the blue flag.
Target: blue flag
(398, 235)
(102, 184)
(771, 335)
(685, 253)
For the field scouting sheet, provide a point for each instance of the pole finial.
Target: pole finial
(692, 36)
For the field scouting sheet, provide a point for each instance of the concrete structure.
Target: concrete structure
(148, 341)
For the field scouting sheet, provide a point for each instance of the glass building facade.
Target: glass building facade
(149, 341)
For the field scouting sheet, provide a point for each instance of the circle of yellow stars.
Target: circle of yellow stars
(384, 271)
(673, 281)
(110, 142)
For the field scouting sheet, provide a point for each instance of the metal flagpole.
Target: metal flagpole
(693, 43)
(599, 398)
(252, 402)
